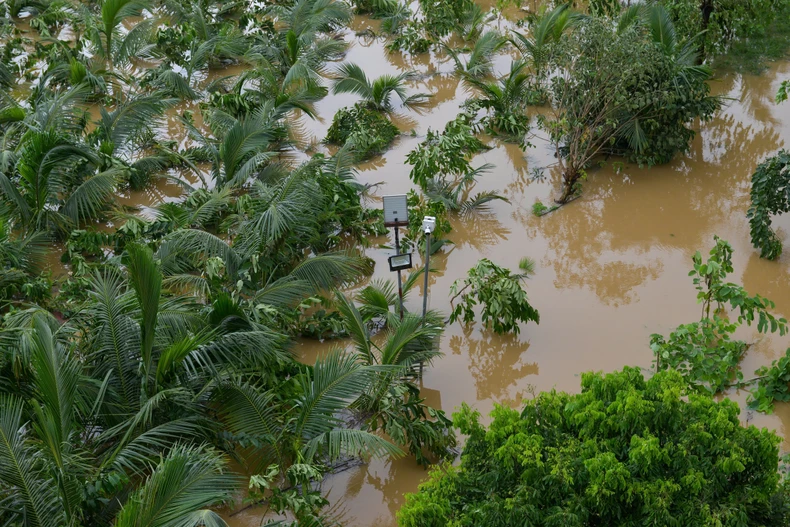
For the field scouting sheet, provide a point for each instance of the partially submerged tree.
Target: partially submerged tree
(770, 196)
(623, 89)
(704, 352)
(720, 22)
(376, 93)
(500, 294)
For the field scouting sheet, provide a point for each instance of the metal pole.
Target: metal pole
(427, 268)
(425, 287)
(400, 283)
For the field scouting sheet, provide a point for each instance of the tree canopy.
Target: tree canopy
(624, 451)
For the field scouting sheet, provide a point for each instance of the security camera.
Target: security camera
(428, 224)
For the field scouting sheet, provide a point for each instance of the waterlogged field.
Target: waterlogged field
(611, 267)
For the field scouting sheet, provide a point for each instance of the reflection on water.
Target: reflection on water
(496, 363)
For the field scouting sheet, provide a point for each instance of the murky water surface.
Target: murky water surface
(611, 267)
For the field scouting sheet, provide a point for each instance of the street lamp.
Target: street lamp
(428, 226)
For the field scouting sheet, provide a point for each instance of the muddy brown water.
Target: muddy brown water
(611, 267)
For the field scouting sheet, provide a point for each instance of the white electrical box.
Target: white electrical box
(396, 211)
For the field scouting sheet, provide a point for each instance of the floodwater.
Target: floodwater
(611, 267)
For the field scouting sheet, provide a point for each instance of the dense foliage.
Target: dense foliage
(162, 351)
(366, 131)
(770, 196)
(716, 24)
(627, 87)
(624, 451)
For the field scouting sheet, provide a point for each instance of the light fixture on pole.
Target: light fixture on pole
(428, 226)
(396, 214)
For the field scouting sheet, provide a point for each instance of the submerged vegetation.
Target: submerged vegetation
(137, 386)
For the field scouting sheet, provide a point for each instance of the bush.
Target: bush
(369, 131)
(625, 451)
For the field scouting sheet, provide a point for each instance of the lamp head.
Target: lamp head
(428, 224)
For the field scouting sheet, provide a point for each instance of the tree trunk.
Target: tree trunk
(706, 7)
(569, 179)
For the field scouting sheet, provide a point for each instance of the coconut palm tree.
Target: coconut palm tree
(21, 256)
(507, 100)
(56, 182)
(48, 471)
(377, 94)
(480, 60)
(297, 55)
(309, 426)
(546, 30)
(241, 147)
(392, 401)
(115, 46)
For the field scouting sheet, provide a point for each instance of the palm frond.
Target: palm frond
(661, 27)
(179, 250)
(180, 489)
(480, 61)
(87, 200)
(254, 415)
(349, 442)
(336, 380)
(328, 270)
(351, 78)
(284, 292)
(115, 336)
(356, 327)
(480, 201)
(137, 452)
(411, 341)
(146, 279)
(629, 16)
(30, 494)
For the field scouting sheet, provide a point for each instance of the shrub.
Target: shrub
(369, 131)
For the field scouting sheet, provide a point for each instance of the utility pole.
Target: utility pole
(400, 282)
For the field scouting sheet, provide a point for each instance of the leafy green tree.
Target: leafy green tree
(622, 87)
(624, 451)
(442, 17)
(770, 196)
(367, 132)
(500, 294)
(720, 22)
